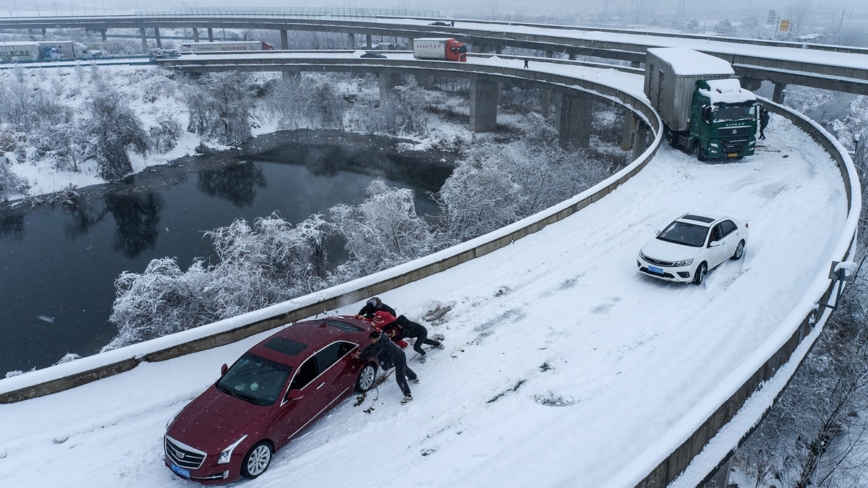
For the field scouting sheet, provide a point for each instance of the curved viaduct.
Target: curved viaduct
(820, 66)
(771, 366)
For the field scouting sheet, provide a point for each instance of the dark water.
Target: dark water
(58, 265)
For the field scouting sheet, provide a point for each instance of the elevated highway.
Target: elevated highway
(837, 68)
(729, 351)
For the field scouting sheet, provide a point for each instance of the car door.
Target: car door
(339, 368)
(308, 401)
(715, 253)
(731, 236)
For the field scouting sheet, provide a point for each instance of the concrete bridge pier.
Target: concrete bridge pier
(409, 43)
(144, 39)
(195, 34)
(498, 50)
(388, 81)
(639, 144)
(545, 100)
(369, 41)
(351, 40)
(43, 32)
(430, 84)
(572, 56)
(627, 133)
(284, 40)
(157, 36)
(573, 120)
(210, 34)
(780, 93)
(634, 64)
(103, 34)
(751, 84)
(483, 105)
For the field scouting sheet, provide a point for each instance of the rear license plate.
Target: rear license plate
(655, 269)
(180, 471)
(732, 155)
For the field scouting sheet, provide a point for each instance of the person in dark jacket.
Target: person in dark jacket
(764, 121)
(374, 305)
(404, 328)
(389, 355)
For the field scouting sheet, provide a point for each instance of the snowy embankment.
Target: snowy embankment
(562, 364)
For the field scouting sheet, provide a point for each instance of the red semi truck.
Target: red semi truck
(439, 48)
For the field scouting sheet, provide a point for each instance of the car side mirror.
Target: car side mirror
(294, 395)
(714, 244)
(223, 369)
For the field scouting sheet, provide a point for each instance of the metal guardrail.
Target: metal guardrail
(278, 12)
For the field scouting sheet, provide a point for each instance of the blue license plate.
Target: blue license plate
(655, 269)
(180, 471)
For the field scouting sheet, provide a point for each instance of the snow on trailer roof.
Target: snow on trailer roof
(727, 91)
(689, 62)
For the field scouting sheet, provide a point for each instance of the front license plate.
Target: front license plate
(732, 155)
(655, 269)
(180, 471)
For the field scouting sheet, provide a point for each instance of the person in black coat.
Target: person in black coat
(404, 328)
(374, 305)
(389, 355)
(764, 121)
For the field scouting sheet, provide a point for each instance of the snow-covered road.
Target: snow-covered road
(562, 362)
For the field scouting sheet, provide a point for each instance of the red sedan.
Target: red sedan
(269, 395)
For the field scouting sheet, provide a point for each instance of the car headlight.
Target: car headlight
(686, 262)
(227, 453)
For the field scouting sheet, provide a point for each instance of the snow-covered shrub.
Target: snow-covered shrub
(253, 267)
(477, 198)
(160, 301)
(382, 231)
(115, 129)
(163, 137)
(10, 183)
(692, 25)
(725, 28)
(68, 357)
(306, 102)
(24, 107)
(220, 107)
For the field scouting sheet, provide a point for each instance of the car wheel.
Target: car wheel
(256, 461)
(701, 271)
(739, 251)
(366, 378)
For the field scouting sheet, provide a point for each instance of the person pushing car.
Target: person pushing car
(390, 355)
(404, 328)
(374, 305)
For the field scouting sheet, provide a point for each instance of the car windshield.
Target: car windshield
(684, 233)
(254, 379)
(733, 112)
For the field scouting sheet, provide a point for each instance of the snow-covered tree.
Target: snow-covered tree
(10, 183)
(382, 231)
(478, 198)
(220, 107)
(725, 28)
(115, 129)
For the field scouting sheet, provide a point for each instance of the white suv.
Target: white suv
(691, 246)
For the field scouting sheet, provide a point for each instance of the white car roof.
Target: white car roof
(700, 219)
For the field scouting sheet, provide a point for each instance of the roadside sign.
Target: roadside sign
(773, 18)
(785, 26)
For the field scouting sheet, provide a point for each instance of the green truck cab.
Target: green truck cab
(721, 129)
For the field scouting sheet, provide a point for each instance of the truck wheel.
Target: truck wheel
(697, 151)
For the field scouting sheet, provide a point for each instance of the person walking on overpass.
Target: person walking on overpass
(525, 63)
(389, 355)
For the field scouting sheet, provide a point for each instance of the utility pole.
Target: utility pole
(841, 23)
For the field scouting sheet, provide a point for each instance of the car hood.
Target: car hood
(215, 420)
(669, 251)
